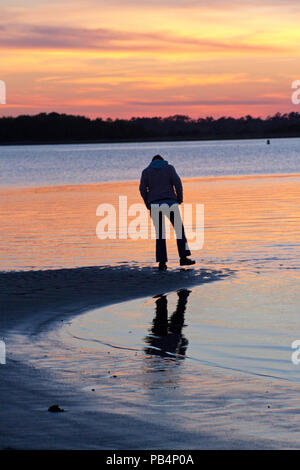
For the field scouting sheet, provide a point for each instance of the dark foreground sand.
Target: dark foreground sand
(32, 302)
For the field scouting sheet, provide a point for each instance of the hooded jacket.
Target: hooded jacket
(159, 181)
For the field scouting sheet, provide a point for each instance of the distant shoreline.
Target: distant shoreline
(142, 140)
(55, 128)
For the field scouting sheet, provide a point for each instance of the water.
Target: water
(245, 324)
(239, 327)
(217, 325)
(44, 165)
(251, 227)
(230, 341)
(247, 222)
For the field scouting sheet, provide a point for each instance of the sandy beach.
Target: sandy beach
(77, 335)
(232, 405)
(27, 392)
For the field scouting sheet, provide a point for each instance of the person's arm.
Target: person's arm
(144, 189)
(176, 182)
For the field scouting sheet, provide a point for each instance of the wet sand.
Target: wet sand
(123, 399)
(27, 311)
(222, 411)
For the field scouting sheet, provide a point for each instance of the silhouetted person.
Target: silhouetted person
(160, 186)
(166, 335)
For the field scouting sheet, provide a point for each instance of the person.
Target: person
(165, 336)
(161, 187)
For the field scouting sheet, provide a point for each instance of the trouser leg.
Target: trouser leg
(160, 322)
(161, 246)
(177, 318)
(182, 244)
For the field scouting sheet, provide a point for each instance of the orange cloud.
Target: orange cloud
(63, 38)
(129, 57)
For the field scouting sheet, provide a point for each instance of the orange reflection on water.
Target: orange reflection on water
(50, 227)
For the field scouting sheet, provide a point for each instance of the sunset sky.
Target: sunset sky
(124, 58)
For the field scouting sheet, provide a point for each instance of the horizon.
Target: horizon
(93, 118)
(128, 58)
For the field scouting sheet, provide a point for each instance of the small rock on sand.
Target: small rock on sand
(55, 409)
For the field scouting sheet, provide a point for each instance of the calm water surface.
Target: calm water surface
(45, 165)
(246, 323)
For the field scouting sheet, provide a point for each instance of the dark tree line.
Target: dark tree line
(54, 127)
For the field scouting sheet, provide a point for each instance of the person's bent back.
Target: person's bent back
(160, 182)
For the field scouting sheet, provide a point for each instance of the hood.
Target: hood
(158, 164)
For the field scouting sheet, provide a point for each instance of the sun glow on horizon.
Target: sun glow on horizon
(130, 58)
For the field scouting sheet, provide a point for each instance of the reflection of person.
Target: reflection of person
(166, 335)
(160, 185)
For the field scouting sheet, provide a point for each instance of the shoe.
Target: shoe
(162, 266)
(186, 261)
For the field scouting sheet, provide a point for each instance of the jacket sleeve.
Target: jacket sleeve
(176, 182)
(144, 188)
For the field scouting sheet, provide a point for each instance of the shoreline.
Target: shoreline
(28, 308)
(156, 139)
(25, 295)
(93, 420)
